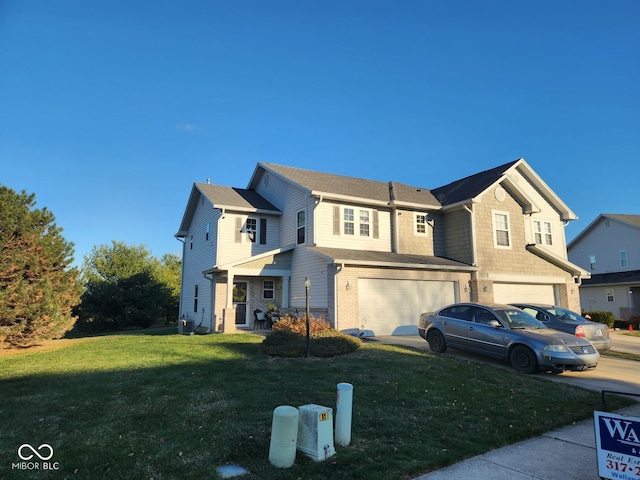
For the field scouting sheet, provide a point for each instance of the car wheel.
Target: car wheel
(523, 360)
(436, 341)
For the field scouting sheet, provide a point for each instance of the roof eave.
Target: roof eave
(558, 261)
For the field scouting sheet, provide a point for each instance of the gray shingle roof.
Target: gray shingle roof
(613, 278)
(331, 183)
(630, 219)
(230, 197)
(371, 257)
(470, 187)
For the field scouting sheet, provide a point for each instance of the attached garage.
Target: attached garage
(393, 307)
(523, 293)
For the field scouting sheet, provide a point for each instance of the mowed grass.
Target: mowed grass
(177, 407)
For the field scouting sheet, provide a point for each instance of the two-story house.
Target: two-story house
(609, 248)
(377, 254)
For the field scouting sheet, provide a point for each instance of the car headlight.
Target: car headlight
(556, 348)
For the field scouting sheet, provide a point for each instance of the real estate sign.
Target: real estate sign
(617, 446)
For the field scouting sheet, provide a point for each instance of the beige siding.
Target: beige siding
(410, 242)
(305, 263)
(289, 200)
(457, 238)
(325, 231)
(231, 250)
(547, 214)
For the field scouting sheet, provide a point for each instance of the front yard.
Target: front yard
(172, 406)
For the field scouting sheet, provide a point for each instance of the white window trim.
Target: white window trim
(356, 222)
(542, 232)
(272, 289)
(610, 293)
(248, 231)
(415, 225)
(495, 230)
(624, 259)
(299, 227)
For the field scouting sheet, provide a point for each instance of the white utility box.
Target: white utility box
(315, 431)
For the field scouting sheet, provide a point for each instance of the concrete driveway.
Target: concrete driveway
(612, 374)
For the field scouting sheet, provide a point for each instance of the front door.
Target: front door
(240, 302)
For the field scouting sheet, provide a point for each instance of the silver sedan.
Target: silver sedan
(506, 332)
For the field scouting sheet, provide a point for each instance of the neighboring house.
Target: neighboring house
(377, 254)
(609, 248)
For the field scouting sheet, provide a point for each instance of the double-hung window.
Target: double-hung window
(421, 224)
(624, 260)
(251, 228)
(365, 223)
(501, 230)
(542, 232)
(302, 223)
(268, 289)
(349, 221)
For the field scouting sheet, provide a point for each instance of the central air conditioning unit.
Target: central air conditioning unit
(315, 431)
(187, 326)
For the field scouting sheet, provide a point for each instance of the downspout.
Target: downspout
(222, 212)
(473, 234)
(394, 221)
(318, 201)
(181, 278)
(335, 295)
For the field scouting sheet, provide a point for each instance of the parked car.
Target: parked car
(570, 322)
(509, 333)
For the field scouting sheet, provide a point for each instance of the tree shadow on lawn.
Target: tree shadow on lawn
(179, 406)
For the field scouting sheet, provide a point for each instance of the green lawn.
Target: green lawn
(172, 406)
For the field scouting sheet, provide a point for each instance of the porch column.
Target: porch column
(229, 312)
(285, 291)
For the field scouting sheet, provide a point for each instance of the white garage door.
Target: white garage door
(518, 292)
(393, 307)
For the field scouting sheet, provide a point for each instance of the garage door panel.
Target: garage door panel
(523, 293)
(393, 307)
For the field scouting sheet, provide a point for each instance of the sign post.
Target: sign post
(617, 446)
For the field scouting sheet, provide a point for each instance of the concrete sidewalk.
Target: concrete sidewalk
(568, 453)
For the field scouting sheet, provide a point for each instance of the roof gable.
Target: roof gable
(224, 198)
(629, 220)
(507, 175)
(470, 187)
(236, 199)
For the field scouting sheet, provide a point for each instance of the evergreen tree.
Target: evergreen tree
(38, 288)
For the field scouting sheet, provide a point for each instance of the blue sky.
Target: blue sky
(110, 110)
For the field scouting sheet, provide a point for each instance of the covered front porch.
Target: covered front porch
(239, 289)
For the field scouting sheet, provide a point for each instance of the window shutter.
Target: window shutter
(376, 233)
(263, 231)
(336, 220)
(238, 229)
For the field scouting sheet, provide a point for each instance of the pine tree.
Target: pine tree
(38, 288)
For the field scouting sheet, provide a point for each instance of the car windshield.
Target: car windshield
(516, 318)
(567, 315)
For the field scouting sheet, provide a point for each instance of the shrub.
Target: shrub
(601, 317)
(329, 343)
(298, 325)
(325, 343)
(633, 322)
